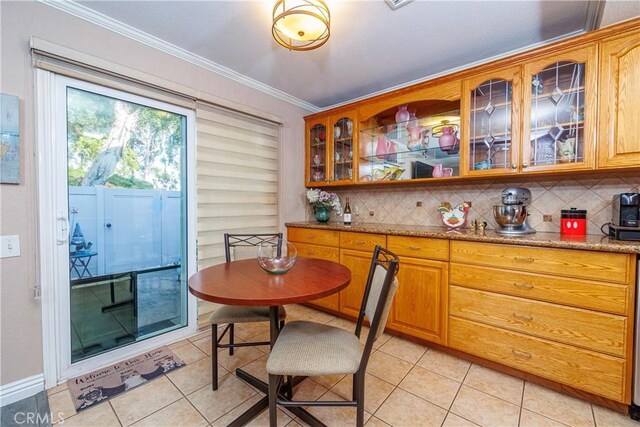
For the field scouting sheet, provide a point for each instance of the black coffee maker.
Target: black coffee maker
(626, 210)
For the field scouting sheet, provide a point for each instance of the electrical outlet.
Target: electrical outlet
(418, 204)
(9, 246)
(370, 213)
(547, 218)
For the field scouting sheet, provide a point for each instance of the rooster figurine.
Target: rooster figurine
(454, 217)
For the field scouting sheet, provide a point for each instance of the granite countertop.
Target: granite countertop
(592, 242)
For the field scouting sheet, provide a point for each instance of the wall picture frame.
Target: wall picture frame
(9, 139)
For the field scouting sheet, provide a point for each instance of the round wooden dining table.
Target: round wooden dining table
(245, 283)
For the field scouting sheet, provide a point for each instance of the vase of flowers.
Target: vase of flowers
(322, 202)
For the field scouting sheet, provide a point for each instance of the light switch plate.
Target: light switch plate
(9, 246)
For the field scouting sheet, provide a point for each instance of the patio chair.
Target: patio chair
(310, 349)
(238, 247)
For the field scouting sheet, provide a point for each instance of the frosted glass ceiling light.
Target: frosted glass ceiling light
(301, 24)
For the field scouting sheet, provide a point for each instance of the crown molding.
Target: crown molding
(89, 15)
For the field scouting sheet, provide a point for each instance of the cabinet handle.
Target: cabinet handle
(522, 285)
(525, 164)
(514, 166)
(415, 248)
(523, 259)
(360, 242)
(521, 354)
(311, 253)
(522, 316)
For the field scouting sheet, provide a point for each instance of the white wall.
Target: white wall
(20, 320)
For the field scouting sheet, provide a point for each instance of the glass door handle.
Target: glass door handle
(108, 225)
(63, 229)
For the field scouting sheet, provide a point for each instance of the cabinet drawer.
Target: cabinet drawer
(599, 296)
(315, 237)
(583, 328)
(320, 252)
(605, 266)
(361, 241)
(419, 247)
(596, 373)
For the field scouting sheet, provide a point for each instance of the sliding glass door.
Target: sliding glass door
(126, 187)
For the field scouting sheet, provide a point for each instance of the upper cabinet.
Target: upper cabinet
(491, 123)
(619, 108)
(559, 111)
(330, 147)
(411, 137)
(569, 107)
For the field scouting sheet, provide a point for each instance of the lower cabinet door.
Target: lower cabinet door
(331, 302)
(420, 305)
(359, 263)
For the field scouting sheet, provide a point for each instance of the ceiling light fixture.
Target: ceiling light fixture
(301, 24)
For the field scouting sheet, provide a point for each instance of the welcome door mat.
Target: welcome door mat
(90, 389)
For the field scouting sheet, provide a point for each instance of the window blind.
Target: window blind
(237, 178)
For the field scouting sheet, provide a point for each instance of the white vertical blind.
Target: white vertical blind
(237, 178)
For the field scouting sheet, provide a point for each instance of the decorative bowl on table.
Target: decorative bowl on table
(276, 258)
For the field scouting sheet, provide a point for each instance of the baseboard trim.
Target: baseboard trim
(21, 389)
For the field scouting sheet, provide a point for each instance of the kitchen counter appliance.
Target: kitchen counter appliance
(512, 214)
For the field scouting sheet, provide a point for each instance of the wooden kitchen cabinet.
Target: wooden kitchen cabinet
(561, 314)
(559, 111)
(420, 305)
(321, 244)
(330, 144)
(619, 108)
(359, 263)
(491, 117)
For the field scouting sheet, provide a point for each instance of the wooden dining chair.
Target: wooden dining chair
(311, 349)
(238, 247)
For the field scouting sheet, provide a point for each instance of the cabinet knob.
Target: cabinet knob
(514, 166)
(522, 285)
(522, 316)
(525, 164)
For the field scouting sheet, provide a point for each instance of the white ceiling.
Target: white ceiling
(372, 48)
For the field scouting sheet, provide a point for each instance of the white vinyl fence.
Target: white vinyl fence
(130, 229)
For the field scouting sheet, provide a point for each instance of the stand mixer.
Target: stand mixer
(512, 214)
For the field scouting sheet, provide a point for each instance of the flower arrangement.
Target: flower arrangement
(320, 198)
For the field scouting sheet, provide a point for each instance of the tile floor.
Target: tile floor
(406, 385)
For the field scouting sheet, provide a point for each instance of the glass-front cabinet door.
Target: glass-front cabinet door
(343, 128)
(559, 112)
(491, 131)
(411, 137)
(317, 171)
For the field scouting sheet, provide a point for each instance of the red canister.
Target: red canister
(573, 222)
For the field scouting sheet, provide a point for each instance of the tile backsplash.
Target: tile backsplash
(549, 197)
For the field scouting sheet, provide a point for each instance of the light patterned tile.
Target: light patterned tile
(136, 404)
(495, 383)
(57, 389)
(531, 419)
(100, 415)
(484, 409)
(180, 413)
(241, 356)
(387, 367)
(376, 391)
(308, 390)
(403, 349)
(607, 418)
(204, 344)
(261, 420)
(188, 352)
(455, 421)
(405, 409)
(61, 405)
(376, 422)
(192, 377)
(566, 409)
(214, 404)
(335, 415)
(246, 331)
(444, 364)
(327, 381)
(431, 386)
